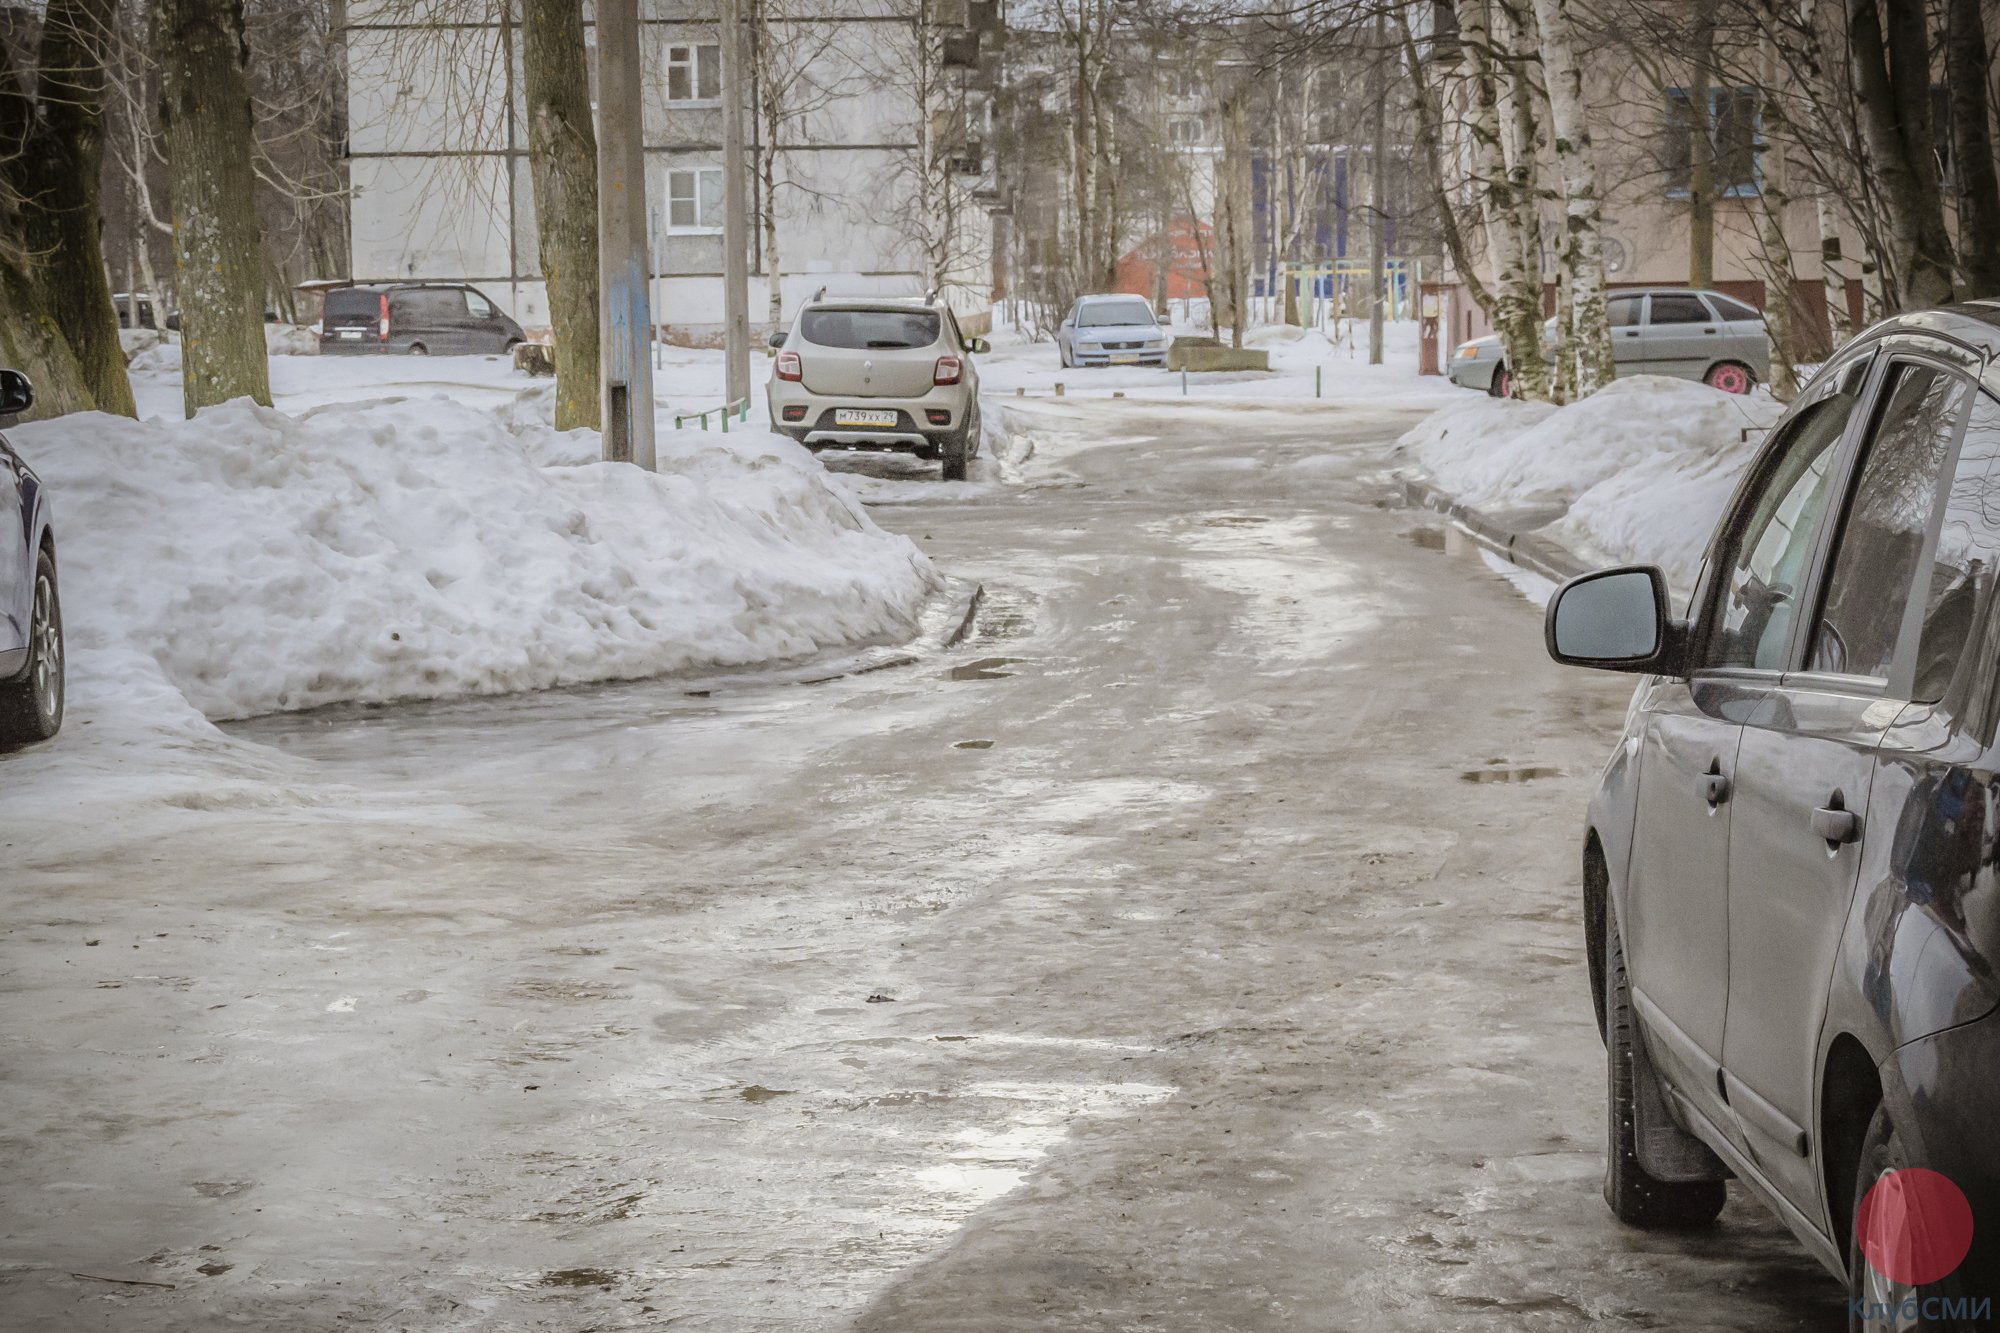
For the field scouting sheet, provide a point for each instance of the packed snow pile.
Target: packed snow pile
(252, 561)
(1641, 468)
(157, 353)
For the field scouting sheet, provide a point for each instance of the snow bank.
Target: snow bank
(251, 561)
(1641, 469)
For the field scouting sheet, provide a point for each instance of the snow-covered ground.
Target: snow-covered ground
(380, 536)
(1638, 472)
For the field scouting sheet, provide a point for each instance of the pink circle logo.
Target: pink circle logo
(1915, 1226)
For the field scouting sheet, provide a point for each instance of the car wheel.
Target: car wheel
(1638, 1198)
(1919, 1234)
(953, 455)
(1062, 351)
(418, 349)
(1730, 377)
(1502, 383)
(31, 705)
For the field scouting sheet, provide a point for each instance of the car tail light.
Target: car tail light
(949, 369)
(795, 414)
(789, 366)
(937, 416)
(385, 317)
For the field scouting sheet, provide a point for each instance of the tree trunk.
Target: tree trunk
(1967, 70)
(1892, 87)
(1232, 242)
(32, 342)
(1378, 258)
(562, 158)
(218, 256)
(61, 213)
(1833, 280)
(1701, 152)
(1514, 249)
(1587, 344)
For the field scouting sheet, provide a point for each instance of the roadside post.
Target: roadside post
(735, 215)
(626, 317)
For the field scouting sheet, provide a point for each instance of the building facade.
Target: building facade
(865, 152)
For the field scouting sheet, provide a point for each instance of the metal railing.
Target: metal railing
(740, 409)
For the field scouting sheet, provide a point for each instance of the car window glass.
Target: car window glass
(1968, 552)
(1109, 314)
(1676, 309)
(1624, 311)
(865, 329)
(1759, 596)
(1887, 523)
(353, 301)
(480, 307)
(431, 305)
(1732, 309)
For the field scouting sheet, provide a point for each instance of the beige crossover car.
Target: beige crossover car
(878, 373)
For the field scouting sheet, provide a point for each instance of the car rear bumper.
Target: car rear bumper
(351, 347)
(1471, 374)
(865, 439)
(913, 427)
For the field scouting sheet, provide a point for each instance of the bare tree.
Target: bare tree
(1968, 67)
(1587, 332)
(1892, 81)
(216, 235)
(562, 158)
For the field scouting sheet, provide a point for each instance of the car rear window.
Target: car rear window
(864, 329)
(427, 303)
(1105, 314)
(351, 301)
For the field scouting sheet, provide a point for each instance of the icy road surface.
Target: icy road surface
(1195, 947)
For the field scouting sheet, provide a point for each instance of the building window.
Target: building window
(694, 199)
(1733, 129)
(1186, 131)
(694, 73)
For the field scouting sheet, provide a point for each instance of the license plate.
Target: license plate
(852, 416)
(350, 333)
(1124, 358)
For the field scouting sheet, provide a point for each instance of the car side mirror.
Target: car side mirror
(777, 338)
(17, 393)
(978, 346)
(1616, 620)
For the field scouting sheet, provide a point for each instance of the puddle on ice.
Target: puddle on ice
(581, 1277)
(1431, 539)
(984, 1163)
(986, 668)
(972, 745)
(1530, 773)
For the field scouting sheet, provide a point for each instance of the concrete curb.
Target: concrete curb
(1529, 550)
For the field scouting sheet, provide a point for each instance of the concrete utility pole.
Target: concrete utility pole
(626, 323)
(735, 211)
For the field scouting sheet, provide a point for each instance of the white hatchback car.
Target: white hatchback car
(878, 373)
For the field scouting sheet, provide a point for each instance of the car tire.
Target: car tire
(1882, 1152)
(1062, 351)
(31, 705)
(418, 349)
(1638, 1198)
(1730, 377)
(1502, 383)
(954, 454)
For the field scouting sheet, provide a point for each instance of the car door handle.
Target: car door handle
(1710, 330)
(1714, 789)
(1836, 825)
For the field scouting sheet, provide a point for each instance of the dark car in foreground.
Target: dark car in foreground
(1792, 859)
(31, 643)
(415, 319)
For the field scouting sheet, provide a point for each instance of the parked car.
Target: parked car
(31, 641)
(1690, 335)
(1791, 863)
(418, 319)
(878, 374)
(1112, 330)
(129, 304)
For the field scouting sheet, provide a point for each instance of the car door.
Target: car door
(1806, 764)
(1680, 335)
(1627, 320)
(1675, 917)
(487, 330)
(16, 593)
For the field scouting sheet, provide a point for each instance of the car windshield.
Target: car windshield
(1107, 314)
(867, 329)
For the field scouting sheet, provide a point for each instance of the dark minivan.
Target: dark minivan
(418, 319)
(1792, 860)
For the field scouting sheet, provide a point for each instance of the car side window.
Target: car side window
(1758, 601)
(479, 306)
(1679, 309)
(1864, 611)
(1623, 311)
(1733, 309)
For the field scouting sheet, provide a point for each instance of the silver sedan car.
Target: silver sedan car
(1113, 330)
(1690, 335)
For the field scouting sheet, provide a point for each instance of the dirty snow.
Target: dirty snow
(1638, 472)
(252, 560)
